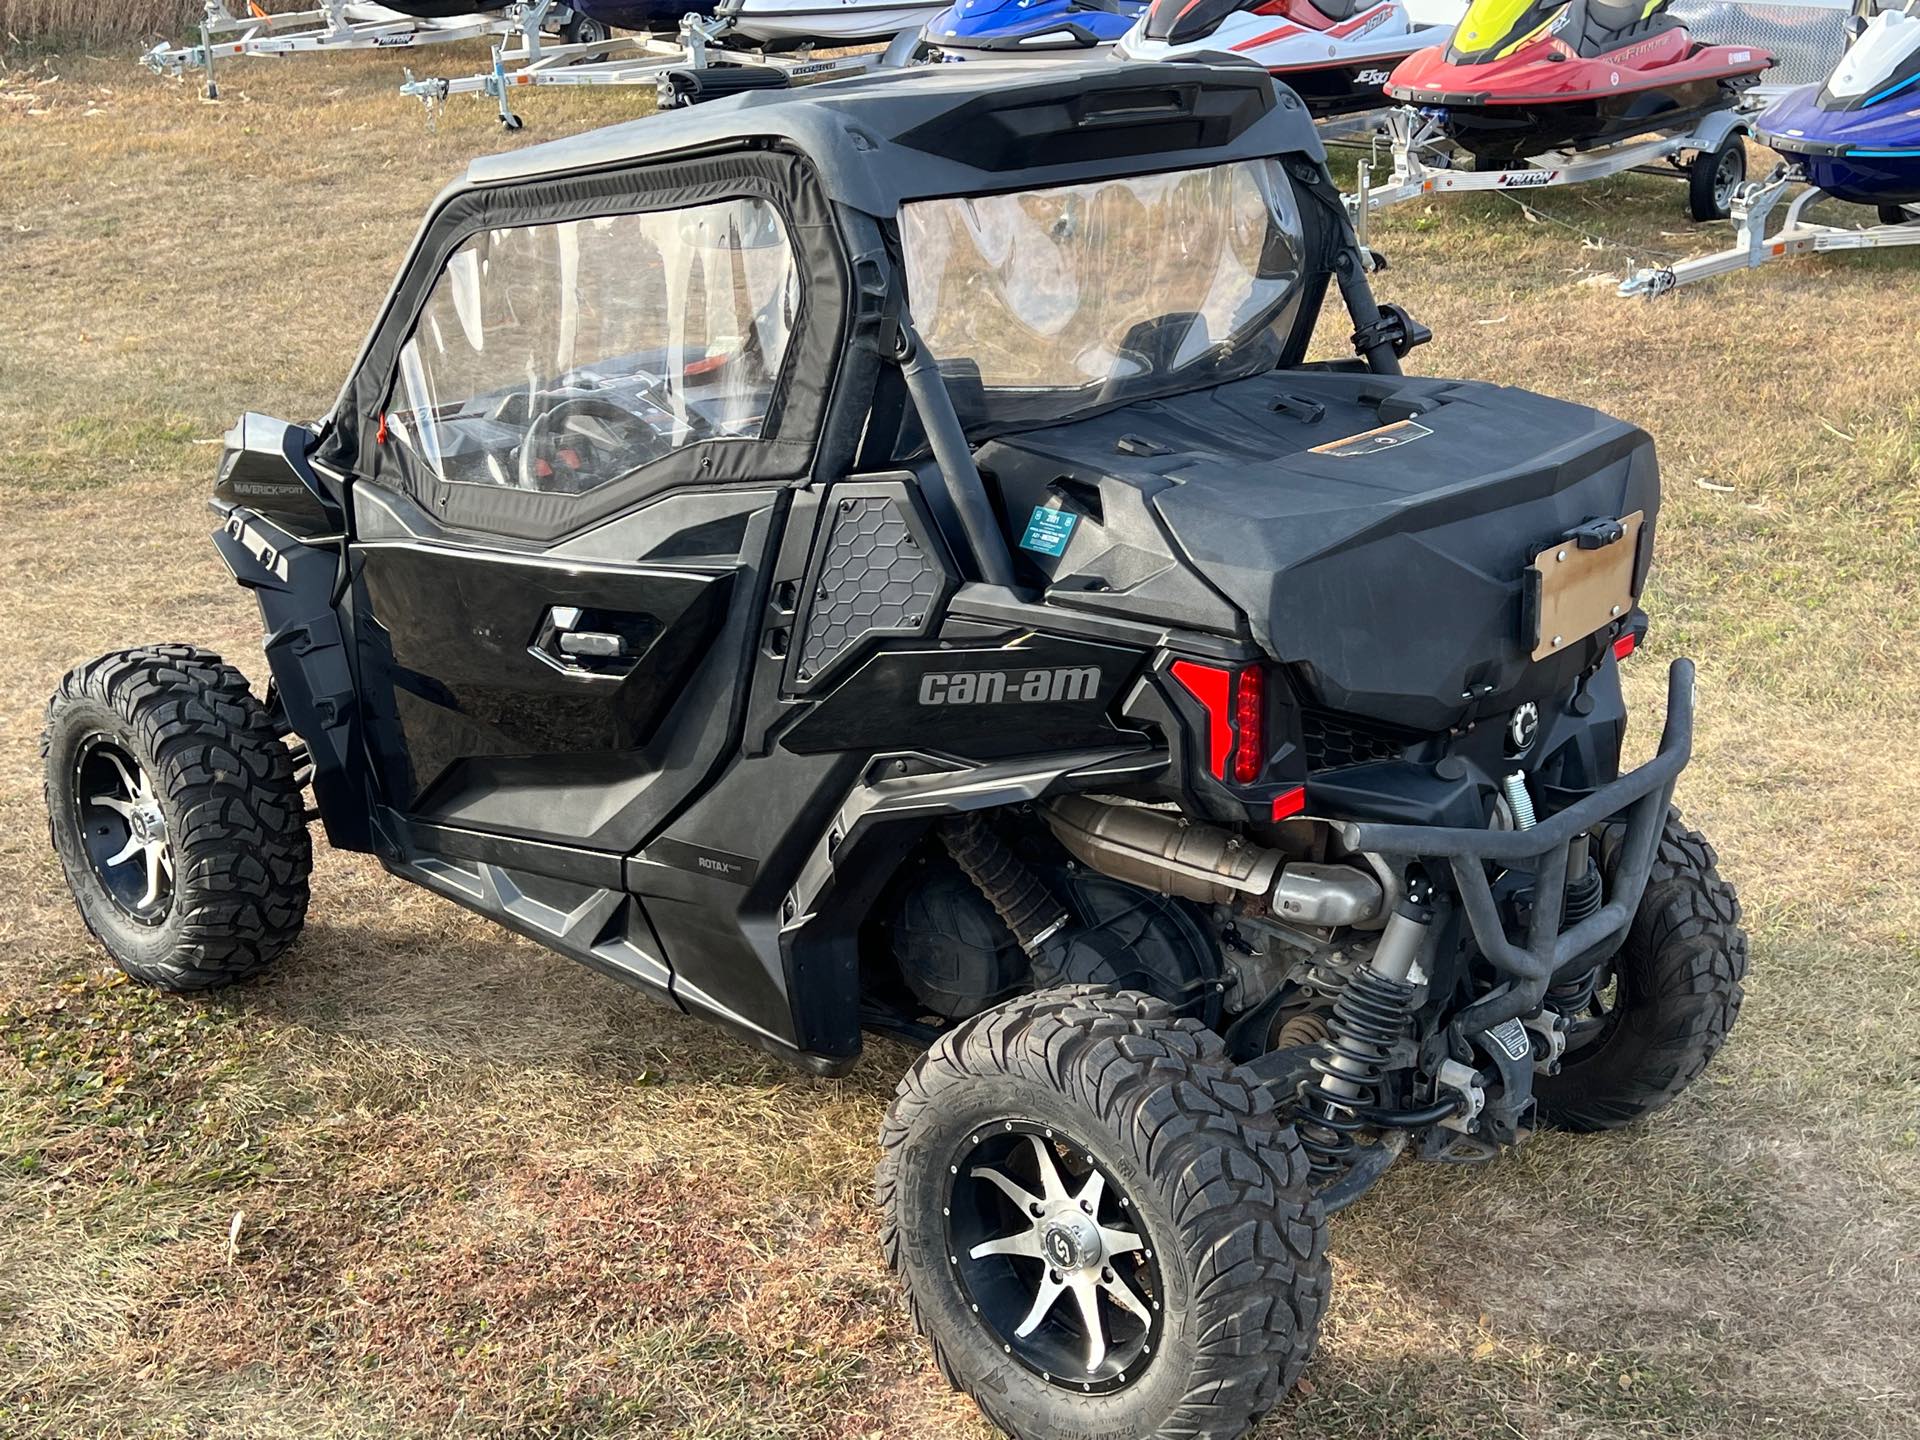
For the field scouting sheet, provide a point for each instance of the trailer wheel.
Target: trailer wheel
(173, 807)
(1899, 214)
(1713, 176)
(1102, 1229)
(585, 30)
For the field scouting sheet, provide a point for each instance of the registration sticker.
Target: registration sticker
(1048, 530)
(1372, 442)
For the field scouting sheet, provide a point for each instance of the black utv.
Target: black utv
(880, 558)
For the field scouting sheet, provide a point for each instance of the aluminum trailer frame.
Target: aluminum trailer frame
(704, 49)
(1422, 165)
(330, 28)
(1754, 247)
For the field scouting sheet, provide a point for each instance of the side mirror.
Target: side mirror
(263, 468)
(1854, 26)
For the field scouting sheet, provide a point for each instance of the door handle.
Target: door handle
(592, 645)
(609, 650)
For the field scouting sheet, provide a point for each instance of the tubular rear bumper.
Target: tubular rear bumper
(1640, 796)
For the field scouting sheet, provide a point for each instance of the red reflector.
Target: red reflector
(1625, 645)
(1209, 686)
(1249, 726)
(1290, 803)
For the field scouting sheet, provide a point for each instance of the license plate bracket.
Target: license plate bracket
(1572, 592)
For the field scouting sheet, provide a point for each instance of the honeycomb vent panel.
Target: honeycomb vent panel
(1333, 742)
(875, 578)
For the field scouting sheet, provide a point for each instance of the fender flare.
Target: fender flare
(870, 836)
(295, 583)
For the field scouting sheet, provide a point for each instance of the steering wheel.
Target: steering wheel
(584, 440)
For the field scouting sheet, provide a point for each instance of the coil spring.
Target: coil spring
(1368, 1020)
(1583, 897)
(1574, 996)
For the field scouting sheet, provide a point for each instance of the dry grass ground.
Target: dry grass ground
(91, 22)
(428, 1180)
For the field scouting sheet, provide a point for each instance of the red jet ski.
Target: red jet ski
(1521, 77)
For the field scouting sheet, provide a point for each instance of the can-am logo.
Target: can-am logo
(998, 687)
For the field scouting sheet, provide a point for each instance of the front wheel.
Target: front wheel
(1651, 1018)
(1102, 1230)
(173, 807)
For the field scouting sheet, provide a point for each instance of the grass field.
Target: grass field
(428, 1180)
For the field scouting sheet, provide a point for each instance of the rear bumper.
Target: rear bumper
(1640, 797)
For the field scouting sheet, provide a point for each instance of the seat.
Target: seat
(1609, 24)
(1615, 14)
(1338, 10)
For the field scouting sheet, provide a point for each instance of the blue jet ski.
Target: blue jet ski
(1857, 136)
(1064, 28)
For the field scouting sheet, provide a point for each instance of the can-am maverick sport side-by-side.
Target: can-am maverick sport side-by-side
(879, 558)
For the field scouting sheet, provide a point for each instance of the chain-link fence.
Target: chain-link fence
(1804, 38)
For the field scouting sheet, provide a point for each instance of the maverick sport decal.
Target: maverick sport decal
(996, 687)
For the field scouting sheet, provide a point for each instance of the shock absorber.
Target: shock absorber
(1573, 995)
(1368, 1021)
(1583, 884)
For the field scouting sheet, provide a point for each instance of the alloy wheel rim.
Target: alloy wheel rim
(1052, 1259)
(124, 830)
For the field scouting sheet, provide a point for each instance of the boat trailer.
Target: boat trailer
(1422, 156)
(337, 25)
(706, 59)
(1754, 247)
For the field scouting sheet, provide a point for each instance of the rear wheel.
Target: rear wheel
(1662, 1007)
(1102, 1231)
(1713, 176)
(173, 807)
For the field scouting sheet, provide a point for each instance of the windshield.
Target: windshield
(1064, 299)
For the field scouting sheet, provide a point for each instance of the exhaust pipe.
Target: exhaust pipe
(1174, 856)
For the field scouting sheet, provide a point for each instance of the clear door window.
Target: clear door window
(560, 357)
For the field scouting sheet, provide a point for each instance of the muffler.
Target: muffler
(1174, 856)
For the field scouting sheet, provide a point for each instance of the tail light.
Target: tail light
(1235, 702)
(1625, 645)
(1249, 725)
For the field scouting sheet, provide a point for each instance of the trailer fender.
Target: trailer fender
(1714, 128)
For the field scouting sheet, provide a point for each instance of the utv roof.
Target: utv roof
(893, 135)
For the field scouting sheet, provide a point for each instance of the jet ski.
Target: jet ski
(595, 20)
(1520, 77)
(785, 24)
(971, 29)
(1857, 136)
(1335, 54)
(443, 9)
